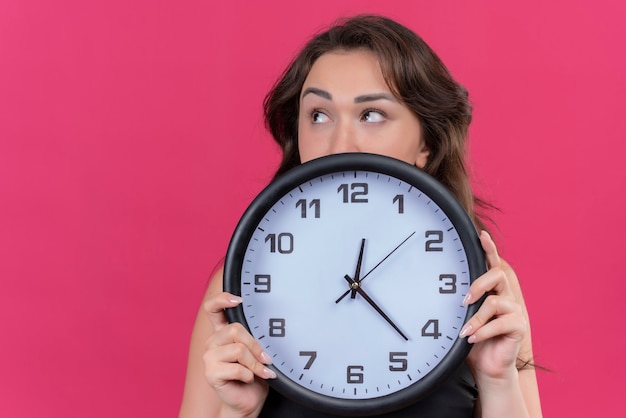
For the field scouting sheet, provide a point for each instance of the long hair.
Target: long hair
(414, 74)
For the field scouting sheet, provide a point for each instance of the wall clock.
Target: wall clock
(353, 268)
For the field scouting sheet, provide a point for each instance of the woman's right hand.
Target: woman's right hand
(234, 362)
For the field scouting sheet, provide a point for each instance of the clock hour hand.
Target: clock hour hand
(356, 286)
(357, 274)
(373, 268)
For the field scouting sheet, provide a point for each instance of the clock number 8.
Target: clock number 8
(277, 327)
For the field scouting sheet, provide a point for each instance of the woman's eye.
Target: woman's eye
(373, 116)
(319, 117)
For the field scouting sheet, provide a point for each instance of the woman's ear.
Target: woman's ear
(422, 156)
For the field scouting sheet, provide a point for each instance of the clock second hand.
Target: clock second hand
(356, 286)
(374, 268)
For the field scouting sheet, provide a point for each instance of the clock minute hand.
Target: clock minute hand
(357, 287)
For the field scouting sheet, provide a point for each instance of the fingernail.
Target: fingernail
(465, 330)
(266, 358)
(467, 299)
(269, 374)
(471, 339)
(236, 299)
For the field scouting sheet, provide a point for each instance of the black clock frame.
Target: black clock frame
(357, 162)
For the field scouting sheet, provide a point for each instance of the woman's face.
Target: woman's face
(346, 106)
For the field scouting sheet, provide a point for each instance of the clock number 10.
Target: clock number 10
(283, 242)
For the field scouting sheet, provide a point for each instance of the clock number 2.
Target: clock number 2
(430, 244)
(360, 189)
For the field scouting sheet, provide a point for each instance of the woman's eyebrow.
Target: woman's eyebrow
(319, 92)
(375, 96)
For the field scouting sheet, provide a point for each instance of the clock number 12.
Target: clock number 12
(360, 189)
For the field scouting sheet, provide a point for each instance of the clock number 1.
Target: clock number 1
(399, 198)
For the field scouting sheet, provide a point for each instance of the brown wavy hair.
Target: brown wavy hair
(414, 74)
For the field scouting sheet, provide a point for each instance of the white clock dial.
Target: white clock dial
(353, 283)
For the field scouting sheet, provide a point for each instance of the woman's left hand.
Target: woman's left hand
(498, 328)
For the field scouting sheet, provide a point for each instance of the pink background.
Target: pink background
(131, 140)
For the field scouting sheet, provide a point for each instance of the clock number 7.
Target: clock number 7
(312, 355)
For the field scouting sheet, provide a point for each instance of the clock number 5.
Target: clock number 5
(360, 189)
(401, 363)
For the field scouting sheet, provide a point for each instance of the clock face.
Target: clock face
(353, 269)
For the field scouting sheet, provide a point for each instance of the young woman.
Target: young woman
(369, 84)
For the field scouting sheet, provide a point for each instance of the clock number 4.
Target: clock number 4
(431, 329)
(359, 189)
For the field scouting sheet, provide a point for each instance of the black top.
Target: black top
(454, 399)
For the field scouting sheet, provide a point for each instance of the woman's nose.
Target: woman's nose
(344, 139)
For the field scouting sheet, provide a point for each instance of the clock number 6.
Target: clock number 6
(355, 374)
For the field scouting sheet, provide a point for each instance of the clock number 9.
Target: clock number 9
(264, 283)
(284, 241)
(355, 196)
